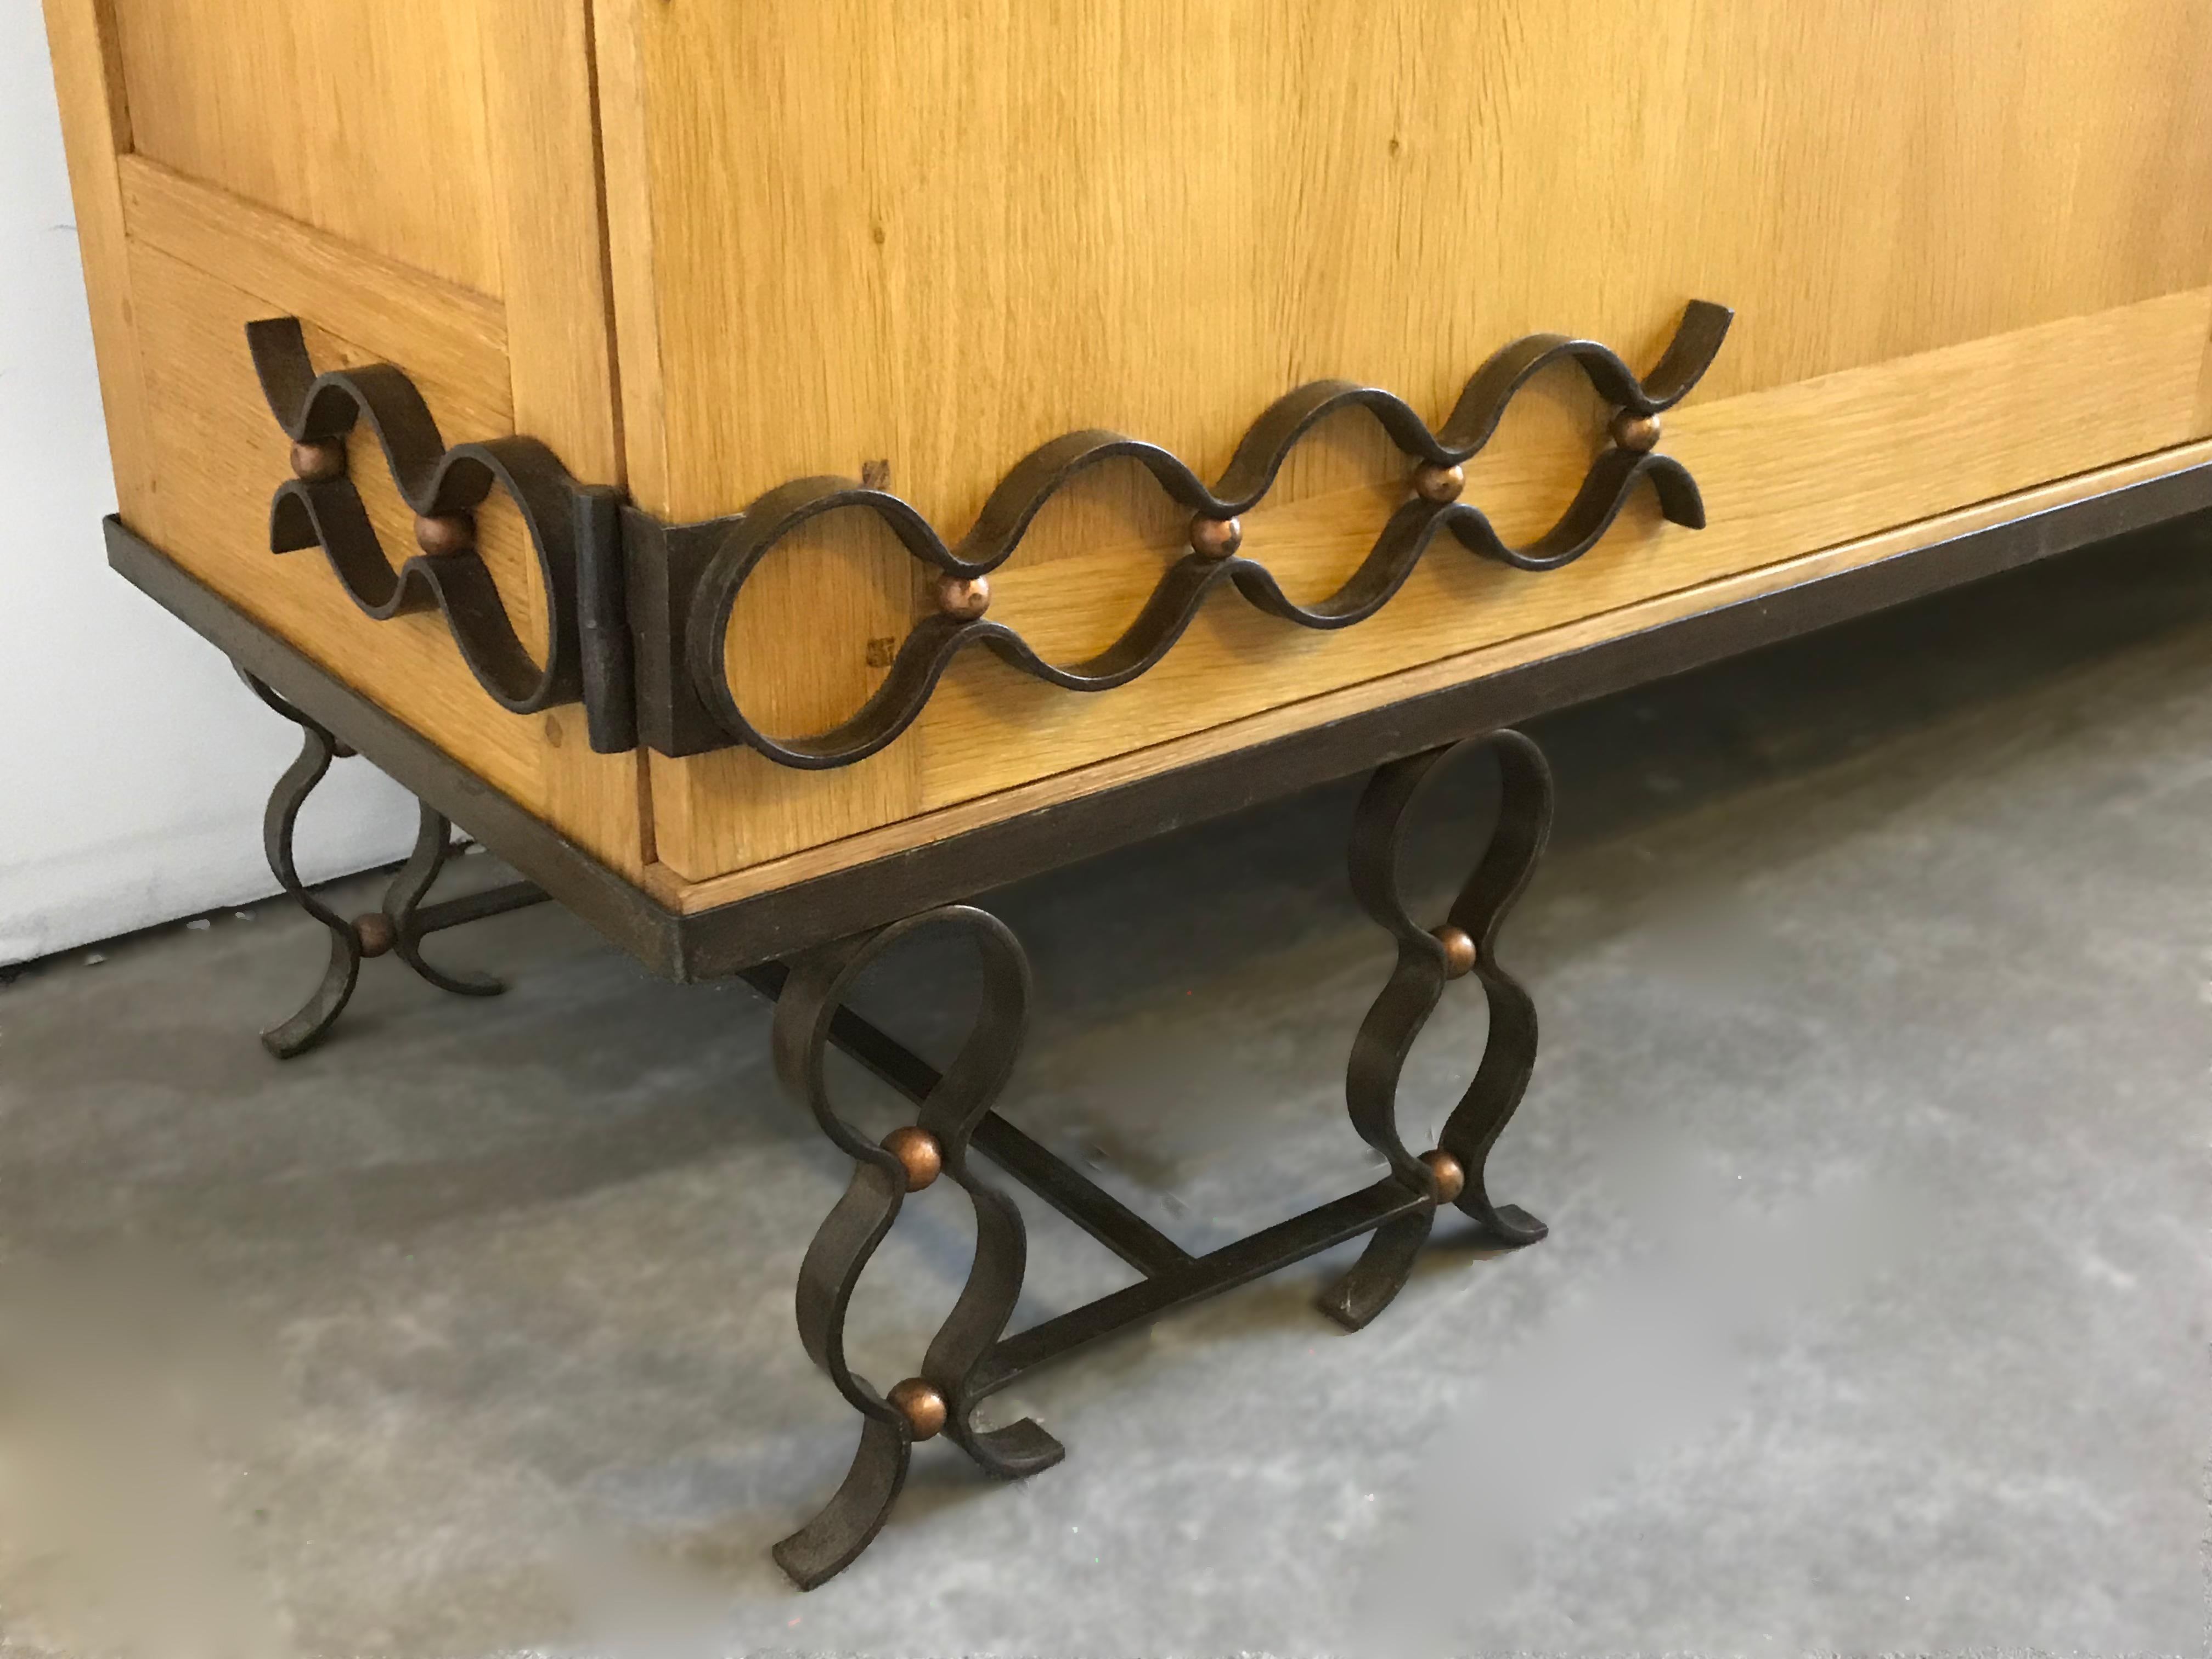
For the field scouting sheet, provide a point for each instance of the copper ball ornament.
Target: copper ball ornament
(965, 597)
(1215, 539)
(918, 1153)
(922, 1406)
(1634, 431)
(1439, 484)
(1459, 949)
(1450, 1176)
(374, 932)
(317, 460)
(442, 534)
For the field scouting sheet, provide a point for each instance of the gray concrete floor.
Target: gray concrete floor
(1870, 1123)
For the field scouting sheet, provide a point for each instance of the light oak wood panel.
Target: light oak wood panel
(217, 456)
(434, 329)
(534, 193)
(548, 194)
(618, 43)
(932, 236)
(1784, 471)
(2204, 389)
(558, 386)
(626, 174)
(96, 130)
(691, 897)
(940, 233)
(366, 118)
(443, 335)
(545, 180)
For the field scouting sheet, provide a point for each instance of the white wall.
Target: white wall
(133, 766)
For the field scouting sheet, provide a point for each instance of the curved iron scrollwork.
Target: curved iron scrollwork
(318, 749)
(922, 658)
(969, 1360)
(572, 529)
(942, 1396)
(398, 925)
(1465, 944)
(682, 581)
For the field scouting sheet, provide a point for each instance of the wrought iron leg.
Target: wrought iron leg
(317, 750)
(398, 925)
(941, 1397)
(410, 919)
(970, 1360)
(1465, 943)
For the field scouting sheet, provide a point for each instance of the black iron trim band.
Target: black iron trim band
(743, 541)
(609, 571)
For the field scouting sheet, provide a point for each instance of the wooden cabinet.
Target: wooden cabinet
(703, 249)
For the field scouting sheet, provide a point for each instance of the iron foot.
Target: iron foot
(1465, 945)
(942, 1397)
(397, 925)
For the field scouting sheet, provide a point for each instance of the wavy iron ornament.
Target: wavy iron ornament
(398, 925)
(930, 648)
(572, 529)
(969, 1360)
(677, 682)
(809, 1006)
(1465, 945)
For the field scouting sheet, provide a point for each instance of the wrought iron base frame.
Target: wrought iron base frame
(971, 1358)
(398, 925)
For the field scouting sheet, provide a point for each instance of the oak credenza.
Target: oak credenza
(775, 471)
